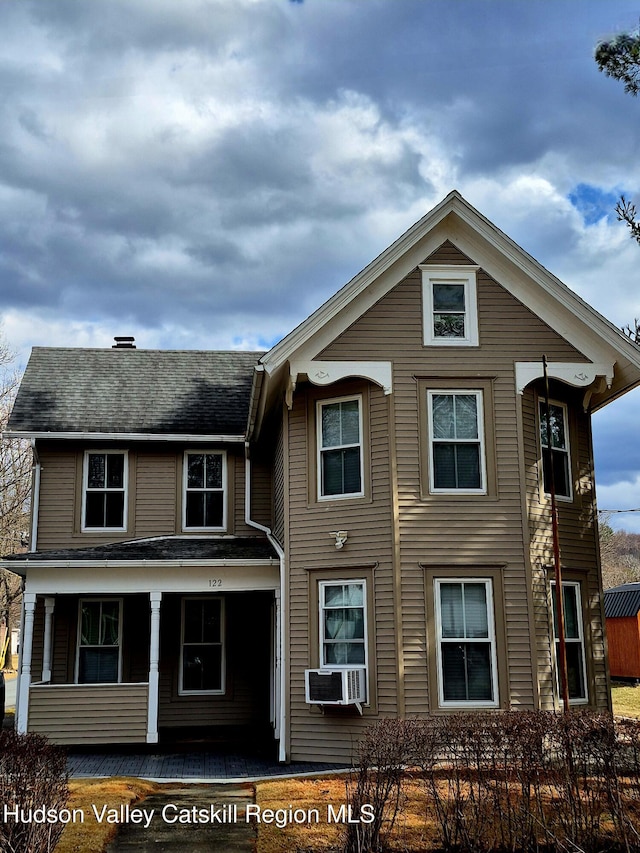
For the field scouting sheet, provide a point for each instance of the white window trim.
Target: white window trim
(453, 274)
(320, 448)
(341, 582)
(223, 650)
(579, 640)
(79, 636)
(491, 640)
(565, 414)
(479, 395)
(224, 489)
(85, 488)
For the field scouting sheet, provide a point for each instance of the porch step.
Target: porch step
(197, 804)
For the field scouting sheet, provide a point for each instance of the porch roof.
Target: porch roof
(171, 548)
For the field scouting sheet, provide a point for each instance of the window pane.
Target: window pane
(475, 610)
(214, 503)
(571, 616)
(98, 666)
(109, 623)
(444, 465)
(466, 672)
(202, 668)
(96, 472)
(350, 422)
(331, 431)
(443, 416)
(448, 326)
(350, 594)
(94, 515)
(90, 623)
(575, 671)
(195, 471)
(344, 654)
(341, 471)
(114, 509)
(448, 297)
(466, 416)
(351, 470)
(468, 466)
(115, 471)
(213, 464)
(211, 625)
(451, 613)
(195, 509)
(558, 437)
(347, 624)
(562, 481)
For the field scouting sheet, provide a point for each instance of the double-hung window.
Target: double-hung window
(204, 490)
(456, 441)
(343, 624)
(466, 643)
(105, 490)
(202, 663)
(99, 641)
(339, 436)
(557, 456)
(449, 305)
(574, 641)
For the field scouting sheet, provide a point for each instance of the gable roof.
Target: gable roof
(133, 392)
(474, 235)
(621, 601)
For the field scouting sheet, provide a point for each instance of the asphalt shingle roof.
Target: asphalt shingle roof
(163, 548)
(622, 600)
(134, 391)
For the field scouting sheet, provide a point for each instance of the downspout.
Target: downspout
(35, 499)
(282, 749)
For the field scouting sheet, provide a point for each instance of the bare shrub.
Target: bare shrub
(33, 776)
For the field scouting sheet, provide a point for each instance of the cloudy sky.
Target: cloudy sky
(205, 173)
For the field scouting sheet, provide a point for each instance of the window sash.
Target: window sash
(466, 644)
(343, 624)
(104, 503)
(559, 456)
(202, 646)
(204, 479)
(99, 641)
(339, 448)
(449, 298)
(456, 445)
(574, 642)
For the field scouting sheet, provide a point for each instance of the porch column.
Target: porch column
(49, 605)
(154, 656)
(29, 604)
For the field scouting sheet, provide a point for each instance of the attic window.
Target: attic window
(449, 304)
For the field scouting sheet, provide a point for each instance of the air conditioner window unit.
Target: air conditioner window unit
(335, 686)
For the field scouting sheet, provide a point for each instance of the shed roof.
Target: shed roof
(134, 391)
(192, 548)
(622, 601)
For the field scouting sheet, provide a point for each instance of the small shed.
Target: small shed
(622, 612)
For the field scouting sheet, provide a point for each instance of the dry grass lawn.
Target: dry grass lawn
(626, 700)
(91, 836)
(411, 830)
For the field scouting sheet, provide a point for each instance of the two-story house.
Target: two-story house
(355, 524)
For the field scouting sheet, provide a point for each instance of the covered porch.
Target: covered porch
(131, 653)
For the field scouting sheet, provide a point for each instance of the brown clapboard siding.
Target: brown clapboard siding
(278, 490)
(442, 530)
(56, 516)
(156, 494)
(89, 713)
(577, 538)
(314, 557)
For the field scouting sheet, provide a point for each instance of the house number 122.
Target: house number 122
(214, 582)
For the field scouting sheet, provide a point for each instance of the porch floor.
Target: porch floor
(189, 766)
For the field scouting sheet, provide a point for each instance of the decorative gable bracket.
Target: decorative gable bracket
(328, 372)
(593, 377)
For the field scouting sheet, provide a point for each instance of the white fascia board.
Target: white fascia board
(122, 580)
(124, 436)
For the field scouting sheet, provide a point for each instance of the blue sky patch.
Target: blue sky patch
(594, 203)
